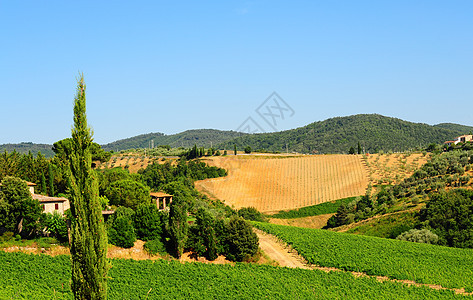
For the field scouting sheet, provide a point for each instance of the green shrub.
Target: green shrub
(419, 236)
(251, 214)
(154, 247)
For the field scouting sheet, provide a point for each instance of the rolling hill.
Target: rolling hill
(186, 139)
(336, 135)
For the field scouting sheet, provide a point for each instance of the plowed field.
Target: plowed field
(273, 183)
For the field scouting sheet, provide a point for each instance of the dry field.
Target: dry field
(393, 168)
(274, 183)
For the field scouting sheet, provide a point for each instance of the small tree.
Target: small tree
(359, 148)
(419, 236)
(178, 225)
(128, 193)
(19, 213)
(351, 151)
(204, 240)
(242, 242)
(235, 149)
(148, 222)
(247, 149)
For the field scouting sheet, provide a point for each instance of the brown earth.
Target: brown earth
(306, 222)
(277, 182)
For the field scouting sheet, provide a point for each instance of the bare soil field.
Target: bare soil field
(278, 182)
(307, 222)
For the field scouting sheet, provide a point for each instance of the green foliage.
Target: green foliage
(202, 237)
(251, 214)
(419, 236)
(314, 210)
(247, 149)
(25, 148)
(128, 193)
(19, 213)
(241, 240)
(178, 225)
(423, 263)
(57, 226)
(64, 148)
(88, 234)
(336, 135)
(148, 222)
(154, 247)
(449, 215)
(43, 277)
(186, 139)
(121, 232)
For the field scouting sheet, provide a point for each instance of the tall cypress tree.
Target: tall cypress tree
(88, 235)
(51, 180)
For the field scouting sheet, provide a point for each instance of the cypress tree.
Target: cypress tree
(235, 149)
(178, 225)
(359, 148)
(88, 235)
(44, 189)
(51, 180)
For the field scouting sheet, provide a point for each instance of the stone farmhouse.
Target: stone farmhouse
(460, 139)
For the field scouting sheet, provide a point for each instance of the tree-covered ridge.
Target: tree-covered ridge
(337, 135)
(456, 127)
(24, 148)
(186, 139)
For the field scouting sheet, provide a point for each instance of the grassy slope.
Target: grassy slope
(448, 267)
(42, 277)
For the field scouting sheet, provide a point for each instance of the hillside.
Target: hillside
(456, 127)
(277, 182)
(24, 148)
(336, 135)
(186, 139)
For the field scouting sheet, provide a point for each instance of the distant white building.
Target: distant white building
(460, 139)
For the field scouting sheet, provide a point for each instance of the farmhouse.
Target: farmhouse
(162, 200)
(49, 204)
(460, 139)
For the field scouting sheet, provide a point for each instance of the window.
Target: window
(56, 206)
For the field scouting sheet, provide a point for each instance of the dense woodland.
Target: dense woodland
(200, 137)
(337, 135)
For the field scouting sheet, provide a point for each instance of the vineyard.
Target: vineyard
(26, 276)
(422, 263)
(274, 183)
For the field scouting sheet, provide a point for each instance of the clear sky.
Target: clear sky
(169, 66)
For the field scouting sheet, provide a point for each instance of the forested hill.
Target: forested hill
(24, 148)
(186, 139)
(456, 127)
(336, 135)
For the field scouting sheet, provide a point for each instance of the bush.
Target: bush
(242, 242)
(247, 149)
(251, 214)
(147, 222)
(57, 226)
(154, 247)
(419, 236)
(120, 228)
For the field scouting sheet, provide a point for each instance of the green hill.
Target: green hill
(336, 135)
(24, 148)
(462, 129)
(186, 139)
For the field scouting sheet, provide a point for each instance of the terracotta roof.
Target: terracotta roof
(159, 194)
(42, 198)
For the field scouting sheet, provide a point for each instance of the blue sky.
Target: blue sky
(169, 66)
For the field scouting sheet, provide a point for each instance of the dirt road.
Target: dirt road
(278, 252)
